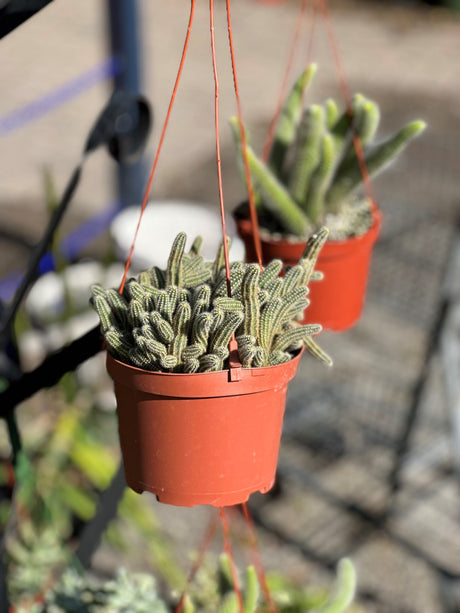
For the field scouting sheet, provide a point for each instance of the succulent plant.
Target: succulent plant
(137, 593)
(182, 320)
(313, 169)
(76, 593)
(218, 595)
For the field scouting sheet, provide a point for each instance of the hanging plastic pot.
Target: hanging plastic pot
(199, 438)
(337, 301)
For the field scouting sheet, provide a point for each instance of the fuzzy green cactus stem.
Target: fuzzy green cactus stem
(313, 167)
(286, 127)
(188, 329)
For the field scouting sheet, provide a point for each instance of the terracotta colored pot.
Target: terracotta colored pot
(337, 301)
(199, 438)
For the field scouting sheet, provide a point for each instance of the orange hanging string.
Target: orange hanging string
(347, 97)
(257, 561)
(312, 31)
(228, 551)
(252, 206)
(219, 165)
(160, 144)
(279, 106)
(199, 560)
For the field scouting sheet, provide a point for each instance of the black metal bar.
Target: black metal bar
(50, 370)
(106, 511)
(417, 395)
(4, 603)
(125, 45)
(13, 13)
(38, 253)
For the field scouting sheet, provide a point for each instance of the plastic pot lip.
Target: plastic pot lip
(331, 249)
(203, 385)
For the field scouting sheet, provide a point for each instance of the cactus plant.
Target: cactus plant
(181, 319)
(76, 593)
(138, 593)
(313, 171)
(216, 593)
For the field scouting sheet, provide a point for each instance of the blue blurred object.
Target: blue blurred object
(52, 100)
(71, 247)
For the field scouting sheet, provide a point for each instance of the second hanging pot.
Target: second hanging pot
(337, 301)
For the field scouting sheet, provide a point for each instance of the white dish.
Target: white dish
(160, 224)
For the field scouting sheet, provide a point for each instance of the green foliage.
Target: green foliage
(75, 593)
(214, 592)
(313, 168)
(172, 321)
(72, 457)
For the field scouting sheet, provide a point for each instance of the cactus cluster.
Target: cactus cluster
(182, 320)
(77, 593)
(218, 595)
(138, 593)
(313, 170)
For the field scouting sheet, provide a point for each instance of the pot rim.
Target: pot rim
(206, 384)
(371, 233)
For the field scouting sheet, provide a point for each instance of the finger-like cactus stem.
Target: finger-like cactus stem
(252, 591)
(145, 278)
(270, 273)
(222, 336)
(195, 272)
(174, 271)
(344, 591)
(137, 315)
(287, 123)
(349, 175)
(277, 199)
(275, 288)
(260, 358)
(332, 113)
(250, 296)
(135, 290)
(157, 277)
(195, 249)
(320, 180)
(278, 357)
(163, 306)
(218, 316)
(181, 325)
(162, 328)
(219, 261)
(202, 326)
(210, 362)
(117, 343)
(295, 337)
(104, 311)
(367, 120)
(201, 299)
(246, 349)
(192, 352)
(294, 277)
(168, 362)
(312, 251)
(308, 156)
(191, 365)
(173, 294)
(315, 350)
(229, 305)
